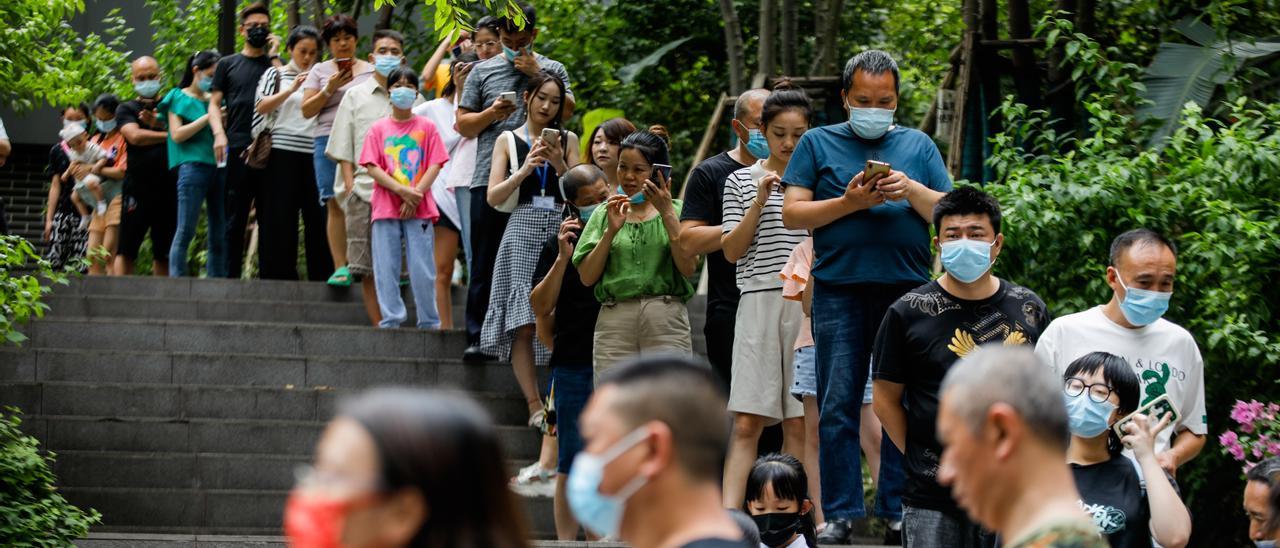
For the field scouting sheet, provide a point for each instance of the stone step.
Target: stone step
(221, 511)
(242, 337)
(296, 312)
(142, 540)
(235, 436)
(30, 364)
(170, 401)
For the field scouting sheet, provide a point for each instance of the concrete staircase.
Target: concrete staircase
(24, 188)
(182, 406)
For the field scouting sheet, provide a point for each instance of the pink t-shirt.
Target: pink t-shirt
(403, 150)
(795, 276)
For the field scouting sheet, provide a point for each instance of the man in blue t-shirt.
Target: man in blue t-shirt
(871, 245)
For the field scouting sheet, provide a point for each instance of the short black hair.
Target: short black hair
(967, 200)
(872, 61)
(652, 146)
(107, 101)
(489, 23)
(254, 8)
(388, 33)
(402, 73)
(1138, 236)
(339, 22)
(508, 24)
(579, 177)
(1119, 375)
(681, 393)
(300, 33)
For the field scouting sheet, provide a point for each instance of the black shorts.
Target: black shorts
(444, 222)
(150, 202)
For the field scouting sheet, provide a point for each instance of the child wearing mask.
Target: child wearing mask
(778, 501)
(403, 154)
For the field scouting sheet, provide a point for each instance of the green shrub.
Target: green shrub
(32, 512)
(1214, 188)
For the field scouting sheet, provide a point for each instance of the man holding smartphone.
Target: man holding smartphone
(871, 240)
(483, 114)
(1163, 354)
(150, 200)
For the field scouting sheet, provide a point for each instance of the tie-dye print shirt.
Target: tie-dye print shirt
(403, 149)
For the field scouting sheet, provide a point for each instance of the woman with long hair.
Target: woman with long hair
(200, 180)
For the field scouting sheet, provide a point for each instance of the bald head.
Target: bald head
(144, 68)
(749, 104)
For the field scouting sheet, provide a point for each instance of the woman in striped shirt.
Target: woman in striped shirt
(767, 325)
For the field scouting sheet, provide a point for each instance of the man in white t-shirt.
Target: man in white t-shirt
(1163, 354)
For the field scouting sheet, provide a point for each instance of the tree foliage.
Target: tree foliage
(46, 61)
(32, 511)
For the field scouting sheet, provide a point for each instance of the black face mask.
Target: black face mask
(257, 36)
(777, 529)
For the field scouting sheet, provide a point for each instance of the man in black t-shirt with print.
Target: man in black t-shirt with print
(924, 333)
(235, 80)
(150, 187)
(700, 220)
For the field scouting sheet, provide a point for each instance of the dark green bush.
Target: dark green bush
(32, 512)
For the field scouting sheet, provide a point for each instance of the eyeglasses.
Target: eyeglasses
(487, 44)
(1098, 392)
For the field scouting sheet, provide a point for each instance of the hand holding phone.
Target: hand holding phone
(550, 135)
(1154, 410)
(508, 96)
(344, 64)
(663, 171)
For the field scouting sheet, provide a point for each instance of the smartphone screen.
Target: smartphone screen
(343, 64)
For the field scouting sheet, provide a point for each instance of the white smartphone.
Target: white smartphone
(550, 134)
(1154, 410)
(509, 96)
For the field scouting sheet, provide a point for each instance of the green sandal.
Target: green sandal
(340, 278)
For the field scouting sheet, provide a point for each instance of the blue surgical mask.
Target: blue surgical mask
(206, 84)
(402, 98)
(870, 123)
(146, 88)
(601, 513)
(1088, 418)
(757, 145)
(105, 126)
(384, 64)
(1264, 544)
(509, 53)
(966, 260)
(638, 198)
(1143, 306)
(586, 211)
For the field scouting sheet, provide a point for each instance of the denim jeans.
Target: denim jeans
(845, 321)
(463, 196)
(928, 528)
(197, 184)
(326, 169)
(417, 235)
(571, 388)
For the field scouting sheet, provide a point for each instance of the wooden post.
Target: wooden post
(955, 152)
(733, 46)
(227, 27)
(708, 137)
(789, 32)
(1026, 75)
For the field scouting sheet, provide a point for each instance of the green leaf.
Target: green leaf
(628, 73)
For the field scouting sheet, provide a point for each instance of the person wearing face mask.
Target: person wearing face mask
(104, 229)
(1131, 501)
(190, 152)
(399, 468)
(236, 82)
(484, 115)
(655, 431)
(322, 92)
(361, 106)
(871, 234)
(778, 500)
(924, 333)
(566, 313)
(1163, 354)
(150, 202)
(1262, 481)
(66, 240)
(767, 324)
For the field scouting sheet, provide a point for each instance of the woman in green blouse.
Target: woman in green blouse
(632, 255)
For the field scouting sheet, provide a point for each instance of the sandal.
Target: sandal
(340, 278)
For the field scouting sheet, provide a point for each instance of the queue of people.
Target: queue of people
(824, 314)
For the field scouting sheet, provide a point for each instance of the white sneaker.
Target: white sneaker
(84, 222)
(102, 208)
(534, 481)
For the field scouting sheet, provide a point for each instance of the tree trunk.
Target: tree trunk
(789, 32)
(767, 51)
(964, 89)
(227, 27)
(733, 47)
(293, 13)
(990, 73)
(1061, 93)
(821, 12)
(384, 17)
(319, 15)
(827, 22)
(1087, 18)
(1026, 77)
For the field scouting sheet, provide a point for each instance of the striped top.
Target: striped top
(289, 130)
(760, 268)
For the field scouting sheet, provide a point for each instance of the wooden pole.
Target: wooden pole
(708, 137)
(955, 152)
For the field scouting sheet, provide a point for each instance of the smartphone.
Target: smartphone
(456, 51)
(509, 96)
(344, 63)
(666, 173)
(550, 134)
(1154, 410)
(875, 168)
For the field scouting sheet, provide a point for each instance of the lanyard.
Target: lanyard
(542, 171)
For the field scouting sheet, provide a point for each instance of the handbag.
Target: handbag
(509, 205)
(259, 151)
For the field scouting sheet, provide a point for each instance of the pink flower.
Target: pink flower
(1231, 442)
(1257, 450)
(1273, 448)
(1244, 414)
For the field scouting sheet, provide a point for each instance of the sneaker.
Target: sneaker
(84, 222)
(837, 531)
(893, 533)
(102, 208)
(534, 481)
(473, 354)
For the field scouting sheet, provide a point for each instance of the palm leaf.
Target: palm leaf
(628, 73)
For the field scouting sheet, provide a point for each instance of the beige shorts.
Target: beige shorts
(640, 326)
(100, 223)
(764, 338)
(359, 256)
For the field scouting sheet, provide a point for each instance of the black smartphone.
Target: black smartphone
(665, 170)
(456, 51)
